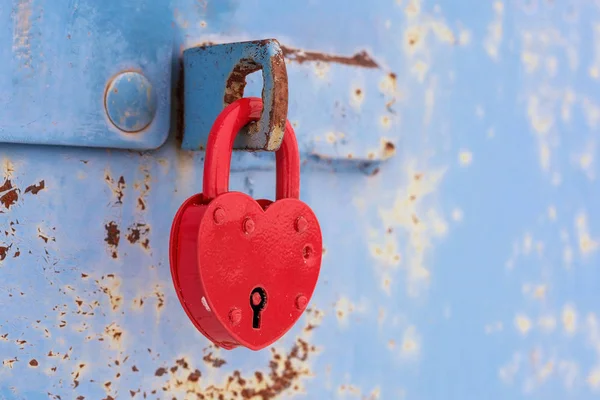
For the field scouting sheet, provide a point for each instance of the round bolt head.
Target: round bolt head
(301, 302)
(219, 216)
(301, 224)
(248, 226)
(130, 101)
(235, 316)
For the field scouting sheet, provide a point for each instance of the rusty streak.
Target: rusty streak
(360, 59)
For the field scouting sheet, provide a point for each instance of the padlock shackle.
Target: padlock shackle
(217, 164)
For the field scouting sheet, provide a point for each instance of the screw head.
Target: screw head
(301, 302)
(130, 101)
(256, 299)
(219, 216)
(301, 224)
(248, 226)
(235, 316)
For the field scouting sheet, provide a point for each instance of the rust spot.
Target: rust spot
(10, 362)
(135, 369)
(194, 376)
(7, 185)
(160, 301)
(45, 237)
(182, 363)
(418, 176)
(3, 252)
(283, 374)
(412, 197)
(83, 276)
(33, 362)
(139, 233)
(389, 149)
(361, 59)
(358, 92)
(113, 234)
(110, 288)
(117, 189)
(9, 198)
(144, 189)
(215, 362)
(120, 188)
(160, 372)
(415, 220)
(17, 254)
(35, 189)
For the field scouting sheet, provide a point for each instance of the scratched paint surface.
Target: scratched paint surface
(464, 266)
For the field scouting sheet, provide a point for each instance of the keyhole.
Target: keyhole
(258, 301)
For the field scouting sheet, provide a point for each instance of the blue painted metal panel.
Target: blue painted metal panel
(59, 59)
(466, 268)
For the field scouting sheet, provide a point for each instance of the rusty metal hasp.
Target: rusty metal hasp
(214, 77)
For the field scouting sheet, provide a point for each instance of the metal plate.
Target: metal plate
(60, 57)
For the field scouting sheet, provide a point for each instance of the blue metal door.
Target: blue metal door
(450, 151)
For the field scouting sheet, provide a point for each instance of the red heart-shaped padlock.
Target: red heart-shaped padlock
(244, 270)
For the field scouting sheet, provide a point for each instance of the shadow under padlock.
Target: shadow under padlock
(245, 269)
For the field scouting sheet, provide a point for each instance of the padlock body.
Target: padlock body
(185, 272)
(217, 262)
